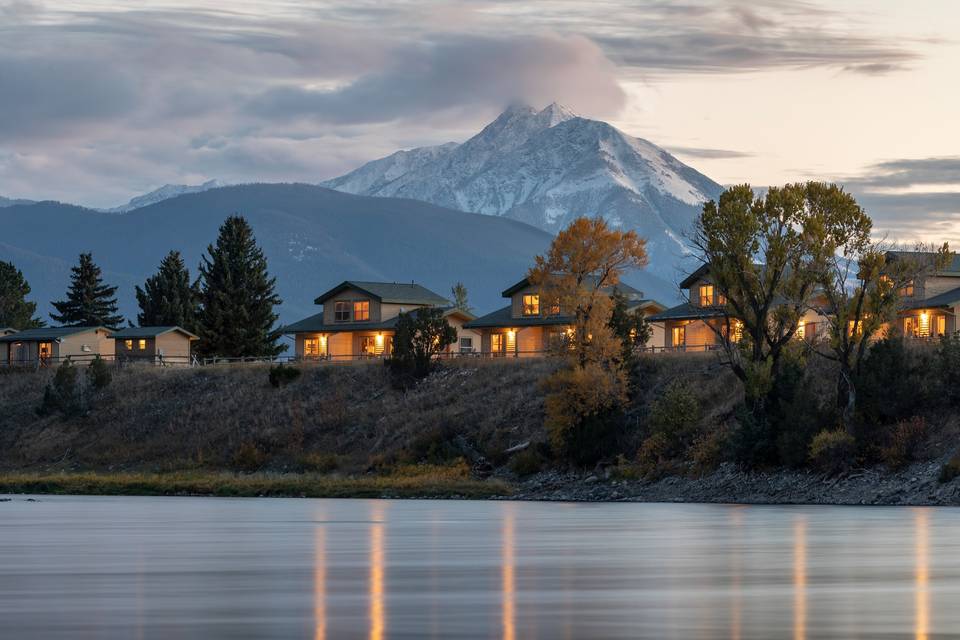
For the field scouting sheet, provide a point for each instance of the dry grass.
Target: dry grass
(423, 482)
(163, 420)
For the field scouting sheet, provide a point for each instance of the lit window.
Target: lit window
(128, 344)
(368, 345)
(496, 343)
(721, 299)
(679, 336)
(923, 327)
(142, 344)
(311, 347)
(907, 290)
(941, 325)
(706, 295)
(737, 330)
(909, 327)
(555, 308)
(531, 305)
(361, 310)
(800, 332)
(341, 312)
(855, 328)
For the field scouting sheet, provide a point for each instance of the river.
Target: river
(122, 567)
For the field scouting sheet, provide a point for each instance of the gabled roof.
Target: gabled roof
(150, 332)
(701, 271)
(504, 318)
(4, 331)
(687, 311)
(389, 292)
(48, 333)
(315, 324)
(622, 287)
(945, 299)
(646, 305)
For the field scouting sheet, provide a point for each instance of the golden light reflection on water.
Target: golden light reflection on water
(320, 584)
(507, 576)
(921, 574)
(736, 569)
(800, 578)
(377, 619)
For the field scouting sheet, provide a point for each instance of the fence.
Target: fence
(86, 359)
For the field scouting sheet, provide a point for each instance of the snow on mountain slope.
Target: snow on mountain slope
(547, 167)
(165, 192)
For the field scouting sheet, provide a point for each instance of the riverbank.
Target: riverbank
(918, 485)
(431, 482)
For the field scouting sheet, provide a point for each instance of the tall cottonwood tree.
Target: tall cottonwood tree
(237, 296)
(168, 298)
(576, 276)
(765, 254)
(860, 288)
(584, 263)
(89, 301)
(16, 311)
(459, 293)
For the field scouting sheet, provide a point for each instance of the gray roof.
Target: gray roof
(622, 287)
(47, 333)
(6, 330)
(315, 324)
(687, 311)
(945, 299)
(504, 318)
(149, 332)
(389, 292)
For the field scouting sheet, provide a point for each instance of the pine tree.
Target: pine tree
(15, 311)
(237, 296)
(459, 292)
(168, 298)
(89, 303)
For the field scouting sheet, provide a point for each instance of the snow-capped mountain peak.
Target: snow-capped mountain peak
(546, 168)
(165, 192)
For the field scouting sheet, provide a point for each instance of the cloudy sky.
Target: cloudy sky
(100, 100)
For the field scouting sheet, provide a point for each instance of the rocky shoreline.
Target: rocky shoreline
(917, 485)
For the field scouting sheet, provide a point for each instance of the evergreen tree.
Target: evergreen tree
(89, 302)
(459, 292)
(15, 311)
(630, 328)
(168, 298)
(237, 296)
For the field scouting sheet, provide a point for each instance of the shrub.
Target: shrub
(833, 451)
(282, 375)
(891, 385)
(62, 394)
(249, 457)
(674, 417)
(947, 363)
(706, 452)
(436, 445)
(99, 372)
(526, 462)
(904, 442)
(319, 462)
(652, 454)
(950, 469)
(584, 411)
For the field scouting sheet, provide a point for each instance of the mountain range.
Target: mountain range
(545, 168)
(313, 238)
(477, 211)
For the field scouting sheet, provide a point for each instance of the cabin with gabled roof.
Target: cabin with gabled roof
(359, 320)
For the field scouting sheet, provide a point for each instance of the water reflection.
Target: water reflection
(799, 578)
(921, 574)
(377, 619)
(320, 584)
(507, 586)
(119, 568)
